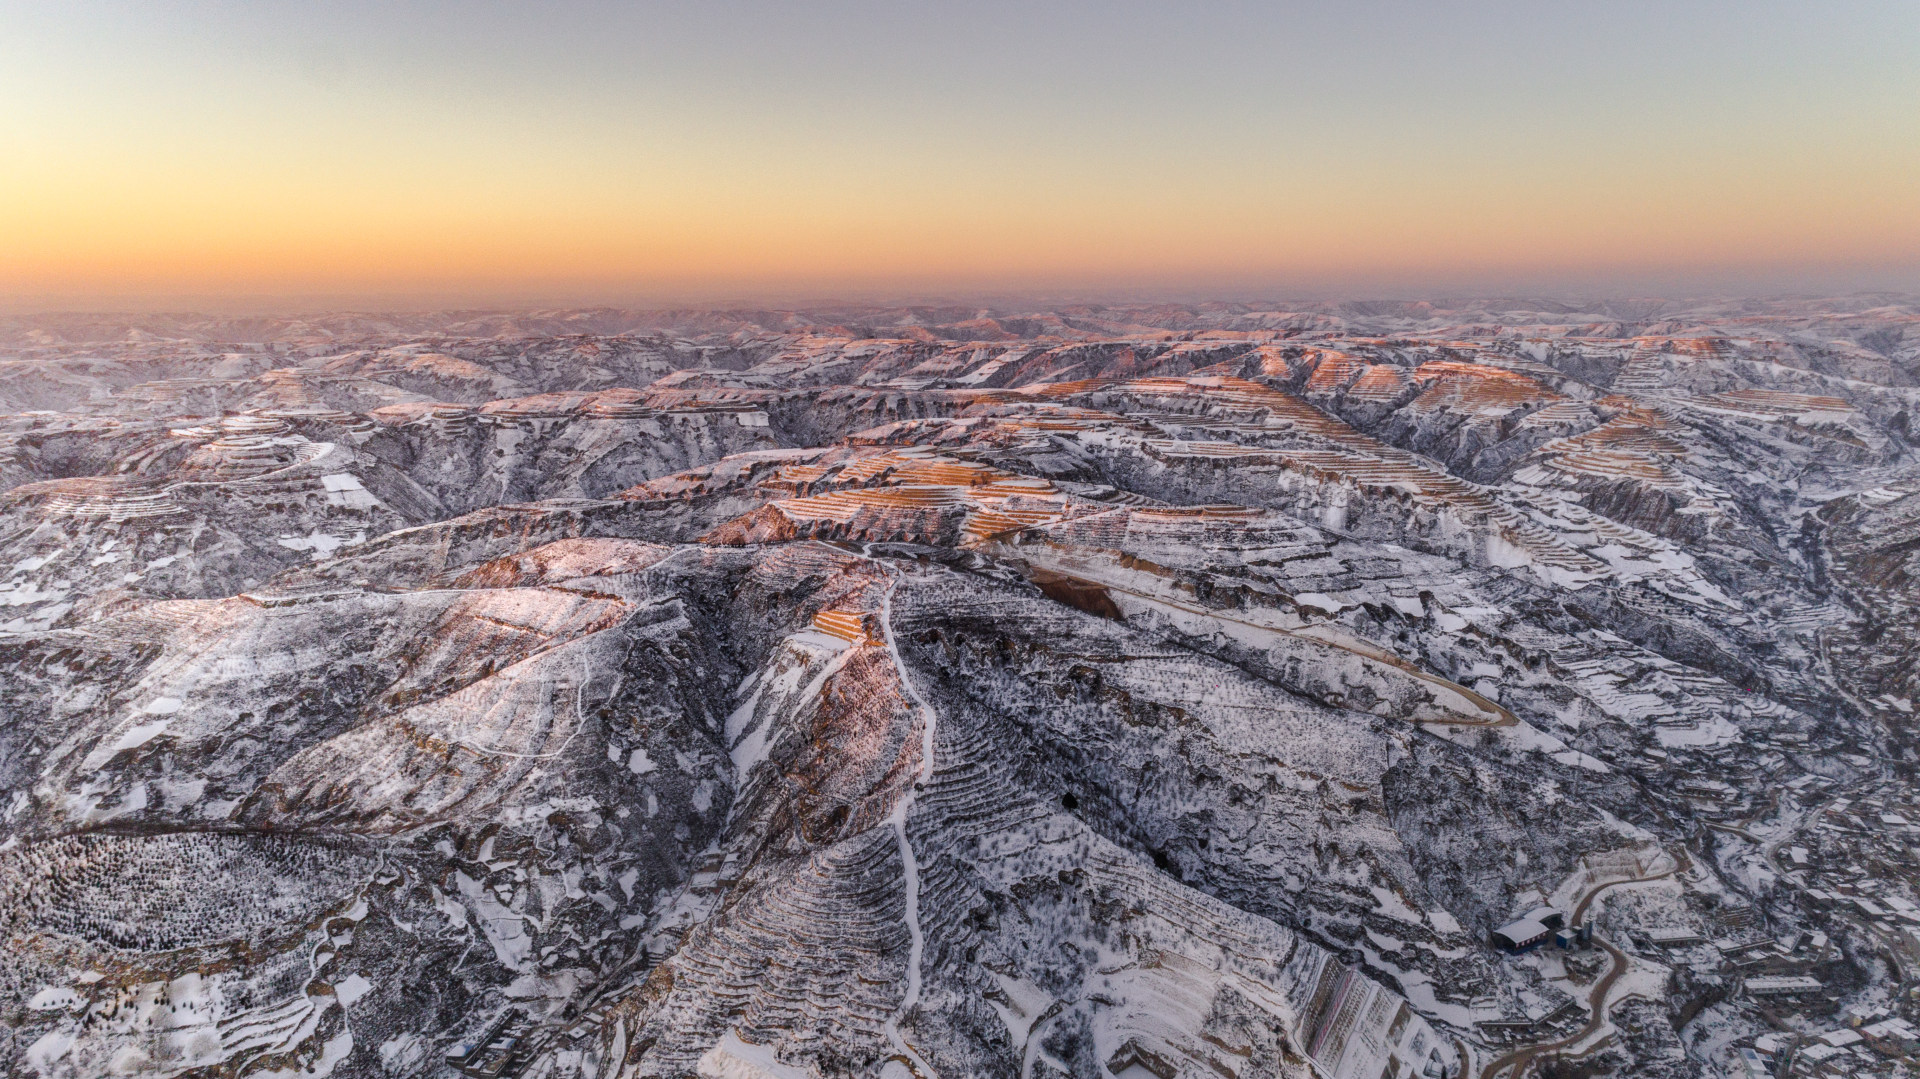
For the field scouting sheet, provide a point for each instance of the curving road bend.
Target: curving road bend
(1519, 1060)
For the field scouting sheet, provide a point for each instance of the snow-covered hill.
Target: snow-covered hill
(1170, 690)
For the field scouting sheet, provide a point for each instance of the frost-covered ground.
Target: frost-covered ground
(1168, 691)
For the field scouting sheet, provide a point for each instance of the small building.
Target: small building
(1571, 937)
(1505, 1029)
(1784, 986)
(1840, 1039)
(1819, 1053)
(1865, 1013)
(1530, 930)
(1894, 1032)
(501, 1052)
(1673, 938)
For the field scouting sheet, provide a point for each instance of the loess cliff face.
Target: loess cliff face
(1160, 691)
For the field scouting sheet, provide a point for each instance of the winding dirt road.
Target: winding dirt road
(1519, 1060)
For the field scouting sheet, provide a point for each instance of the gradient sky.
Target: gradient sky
(604, 152)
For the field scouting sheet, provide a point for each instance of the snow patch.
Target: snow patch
(732, 1058)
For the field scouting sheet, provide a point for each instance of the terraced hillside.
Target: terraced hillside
(1166, 691)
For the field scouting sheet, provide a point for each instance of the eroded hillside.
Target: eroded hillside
(1105, 691)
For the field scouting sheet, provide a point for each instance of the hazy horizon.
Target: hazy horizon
(273, 307)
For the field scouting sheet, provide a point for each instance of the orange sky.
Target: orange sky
(601, 155)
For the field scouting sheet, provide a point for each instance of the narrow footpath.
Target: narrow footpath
(917, 947)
